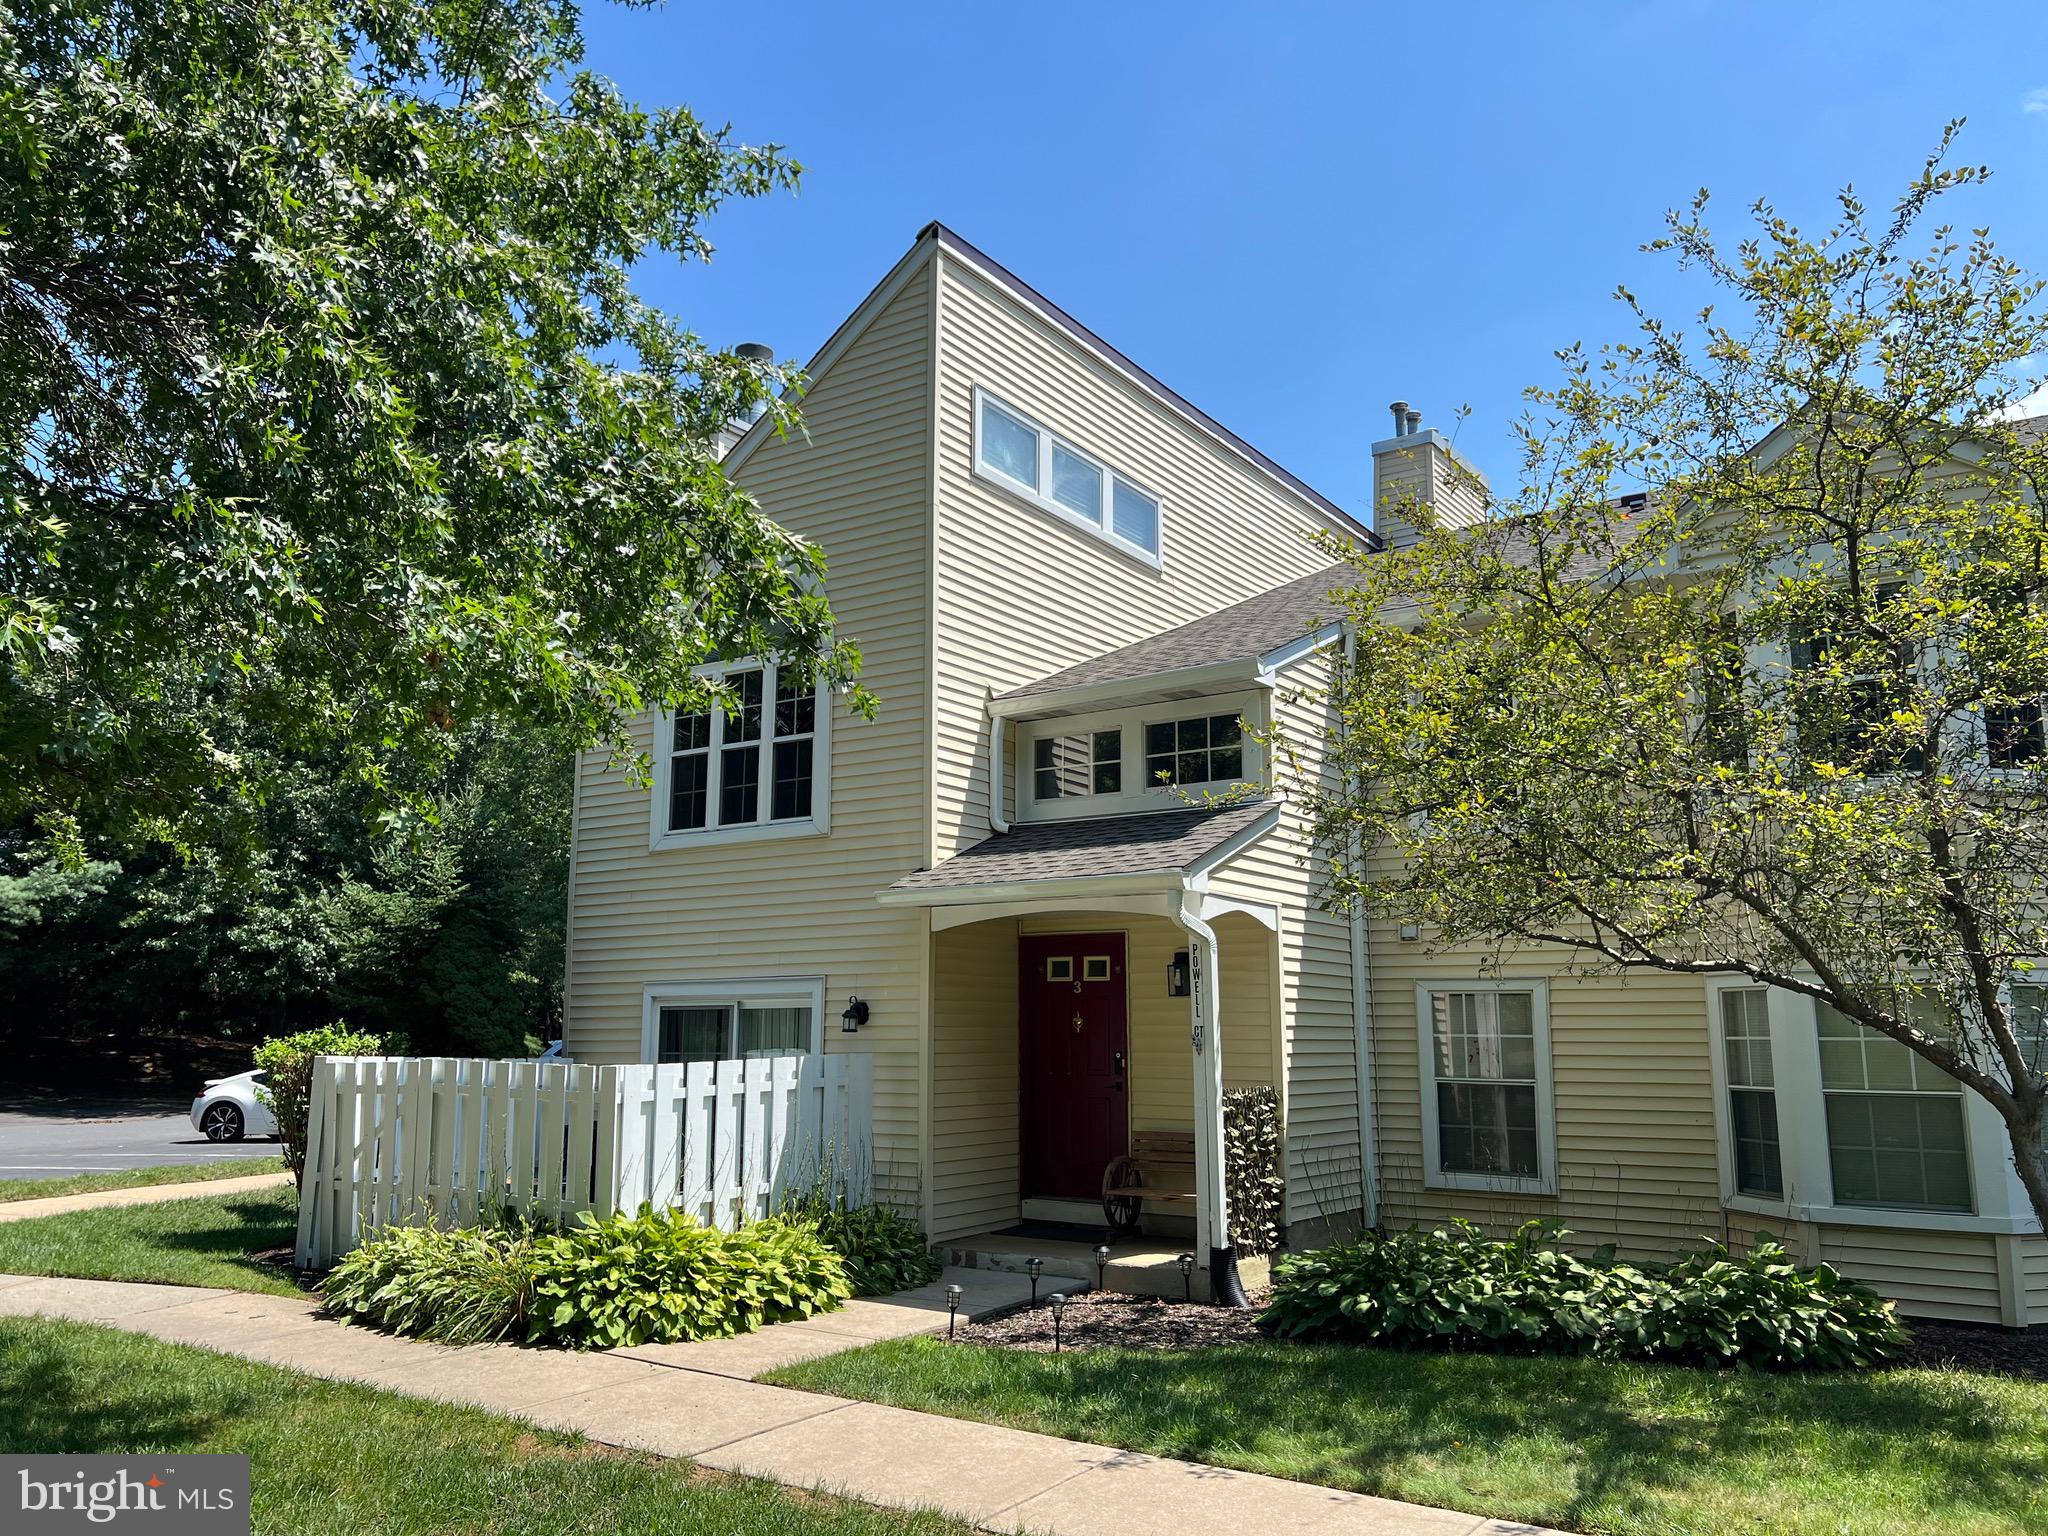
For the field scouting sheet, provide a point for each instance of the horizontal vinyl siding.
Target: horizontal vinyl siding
(801, 906)
(1021, 593)
(1320, 1100)
(1950, 1275)
(1636, 1150)
(974, 1078)
(2034, 1279)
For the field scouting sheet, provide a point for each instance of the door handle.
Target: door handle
(1119, 1055)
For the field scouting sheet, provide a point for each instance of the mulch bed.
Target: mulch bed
(1105, 1320)
(1995, 1351)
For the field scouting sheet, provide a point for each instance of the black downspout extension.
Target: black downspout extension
(1225, 1288)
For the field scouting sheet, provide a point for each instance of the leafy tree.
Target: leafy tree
(1778, 713)
(327, 407)
(452, 936)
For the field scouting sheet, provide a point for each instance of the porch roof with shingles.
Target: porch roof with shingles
(1242, 632)
(1149, 843)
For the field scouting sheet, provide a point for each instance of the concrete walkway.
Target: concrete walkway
(697, 1401)
(141, 1194)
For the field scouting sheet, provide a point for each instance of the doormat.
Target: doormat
(1055, 1232)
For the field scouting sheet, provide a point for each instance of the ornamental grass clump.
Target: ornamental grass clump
(470, 1286)
(1455, 1288)
(884, 1250)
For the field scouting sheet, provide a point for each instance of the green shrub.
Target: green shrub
(471, 1286)
(646, 1278)
(660, 1276)
(885, 1251)
(287, 1062)
(1453, 1287)
(1251, 1168)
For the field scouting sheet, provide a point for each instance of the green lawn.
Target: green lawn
(206, 1240)
(134, 1178)
(1581, 1444)
(339, 1460)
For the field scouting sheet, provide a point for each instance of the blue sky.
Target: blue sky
(1296, 213)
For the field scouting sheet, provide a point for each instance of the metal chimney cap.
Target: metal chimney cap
(754, 352)
(1400, 410)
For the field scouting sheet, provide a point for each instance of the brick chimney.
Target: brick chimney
(1417, 471)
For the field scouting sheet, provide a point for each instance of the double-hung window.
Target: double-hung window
(1486, 1094)
(1846, 720)
(725, 1021)
(751, 764)
(1752, 1092)
(2030, 1024)
(1063, 478)
(1896, 1132)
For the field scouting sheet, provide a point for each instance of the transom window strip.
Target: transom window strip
(1206, 750)
(1895, 1122)
(1485, 1068)
(1064, 478)
(715, 761)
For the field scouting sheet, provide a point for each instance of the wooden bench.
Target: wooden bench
(1130, 1181)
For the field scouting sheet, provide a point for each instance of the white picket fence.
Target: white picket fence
(447, 1141)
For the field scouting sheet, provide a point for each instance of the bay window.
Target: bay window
(1752, 1092)
(1063, 478)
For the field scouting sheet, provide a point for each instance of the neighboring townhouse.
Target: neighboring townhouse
(1056, 891)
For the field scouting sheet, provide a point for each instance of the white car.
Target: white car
(229, 1108)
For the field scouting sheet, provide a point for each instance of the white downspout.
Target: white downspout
(997, 821)
(1361, 1008)
(1212, 1196)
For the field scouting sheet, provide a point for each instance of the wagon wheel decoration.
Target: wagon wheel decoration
(1122, 1208)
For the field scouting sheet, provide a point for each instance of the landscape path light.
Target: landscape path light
(1034, 1268)
(1187, 1276)
(1058, 1302)
(952, 1310)
(1101, 1262)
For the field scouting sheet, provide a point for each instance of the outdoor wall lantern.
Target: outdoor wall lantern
(1177, 974)
(1187, 1276)
(1059, 1307)
(856, 1015)
(952, 1310)
(1034, 1268)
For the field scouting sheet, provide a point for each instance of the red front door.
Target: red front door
(1075, 1026)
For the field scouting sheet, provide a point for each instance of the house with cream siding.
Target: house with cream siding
(1058, 893)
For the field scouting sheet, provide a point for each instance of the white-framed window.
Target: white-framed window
(1100, 762)
(727, 1020)
(1194, 750)
(1897, 1136)
(1078, 763)
(758, 767)
(1487, 1116)
(1063, 478)
(1752, 1093)
(1862, 1131)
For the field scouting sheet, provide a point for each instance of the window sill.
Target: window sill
(1489, 1183)
(711, 837)
(1872, 1216)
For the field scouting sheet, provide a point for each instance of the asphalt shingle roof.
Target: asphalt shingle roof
(1243, 631)
(1152, 842)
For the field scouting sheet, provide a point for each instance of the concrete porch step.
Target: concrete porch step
(1138, 1266)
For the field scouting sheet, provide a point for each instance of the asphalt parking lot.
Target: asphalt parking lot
(48, 1138)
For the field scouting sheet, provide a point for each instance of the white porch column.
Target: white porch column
(1212, 1199)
